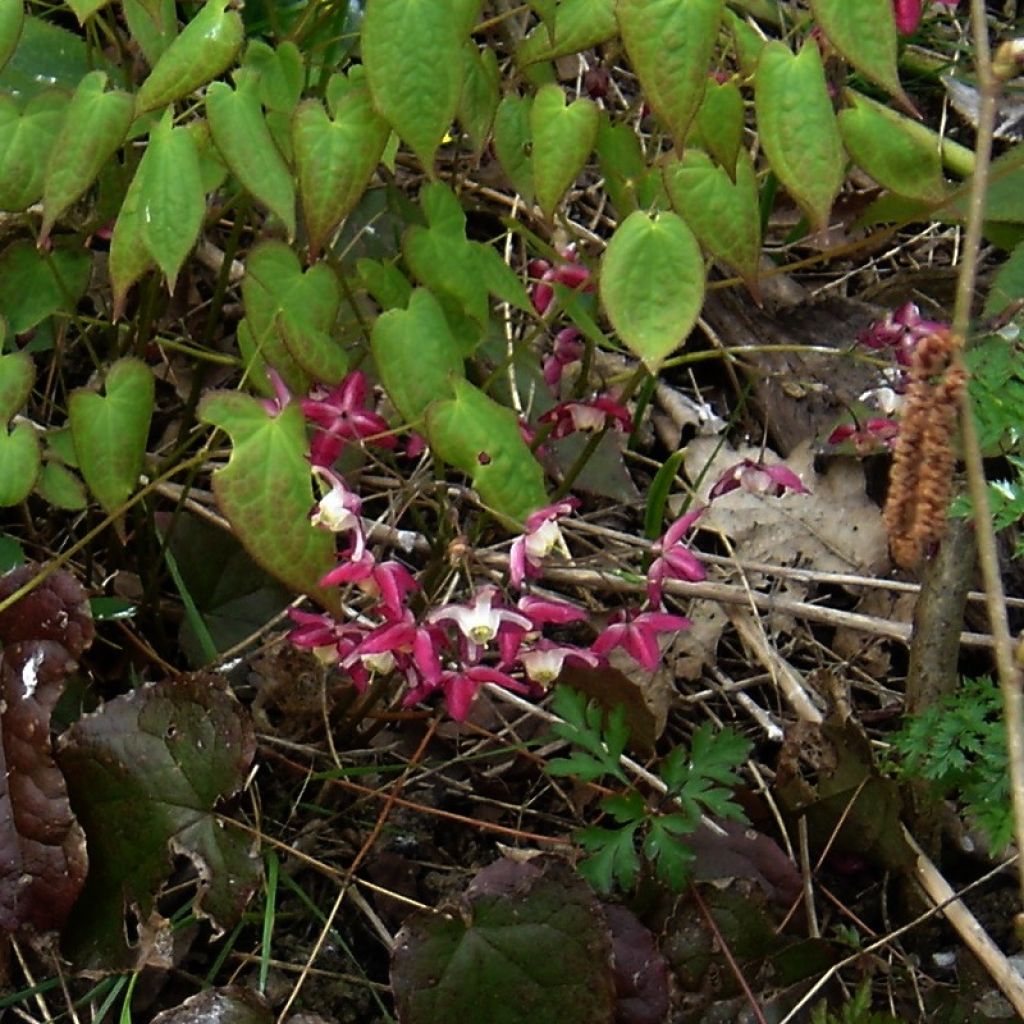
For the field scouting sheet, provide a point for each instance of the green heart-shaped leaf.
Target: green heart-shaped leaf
(60, 487)
(95, 126)
(723, 213)
(172, 202)
(416, 354)
(19, 463)
(34, 284)
(281, 73)
(512, 142)
(336, 158)
(12, 20)
(670, 43)
(864, 32)
(266, 490)
(720, 122)
(129, 257)
(578, 25)
(897, 152)
(480, 93)
(482, 438)
(26, 140)
(154, 26)
(240, 132)
(798, 127)
(17, 375)
(86, 8)
(292, 315)
(563, 137)
(652, 284)
(110, 431)
(414, 59)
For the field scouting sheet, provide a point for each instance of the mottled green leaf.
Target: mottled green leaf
(482, 438)
(563, 137)
(34, 284)
(722, 212)
(864, 32)
(26, 140)
(172, 203)
(46, 57)
(798, 127)
(19, 448)
(898, 153)
(206, 47)
(296, 310)
(578, 25)
(110, 431)
(266, 490)
(512, 142)
(17, 375)
(96, 124)
(12, 20)
(60, 487)
(479, 99)
(720, 122)
(240, 132)
(416, 354)
(414, 58)
(389, 287)
(335, 158)
(652, 284)
(154, 26)
(146, 774)
(670, 43)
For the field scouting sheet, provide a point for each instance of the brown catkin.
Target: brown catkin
(923, 461)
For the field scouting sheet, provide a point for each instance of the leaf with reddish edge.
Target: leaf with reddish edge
(523, 935)
(578, 25)
(798, 127)
(266, 490)
(864, 33)
(563, 137)
(146, 774)
(652, 284)
(42, 848)
(670, 43)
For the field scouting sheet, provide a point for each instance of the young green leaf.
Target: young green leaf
(613, 857)
(578, 25)
(480, 93)
(747, 42)
(12, 20)
(26, 141)
(19, 448)
(722, 210)
(389, 287)
(110, 431)
(335, 159)
(60, 487)
(658, 493)
(129, 257)
(206, 47)
(670, 43)
(872, 51)
(798, 127)
(563, 137)
(266, 490)
(240, 132)
(672, 858)
(280, 72)
(897, 152)
(414, 58)
(720, 122)
(480, 437)
(416, 355)
(513, 143)
(652, 284)
(34, 284)
(621, 161)
(152, 26)
(172, 203)
(96, 124)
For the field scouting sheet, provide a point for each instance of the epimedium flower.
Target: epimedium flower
(873, 435)
(541, 537)
(566, 349)
(758, 478)
(460, 687)
(570, 273)
(480, 621)
(390, 581)
(540, 611)
(637, 635)
(544, 660)
(899, 331)
(282, 396)
(674, 561)
(403, 644)
(342, 416)
(338, 510)
(591, 415)
(908, 14)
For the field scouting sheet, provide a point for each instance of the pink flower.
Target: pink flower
(543, 662)
(461, 687)
(541, 537)
(865, 438)
(282, 396)
(908, 14)
(899, 331)
(480, 621)
(595, 414)
(757, 478)
(342, 415)
(401, 644)
(338, 510)
(675, 560)
(571, 274)
(390, 581)
(540, 611)
(638, 635)
(567, 349)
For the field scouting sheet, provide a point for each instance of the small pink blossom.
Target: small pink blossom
(543, 662)
(567, 349)
(390, 581)
(908, 14)
(480, 621)
(899, 331)
(758, 478)
(461, 687)
(540, 611)
(282, 396)
(342, 416)
(338, 510)
(638, 635)
(866, 438)
(570, 273)
(541, 537)
(595, 414)
(674, 561)
(408, 645)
